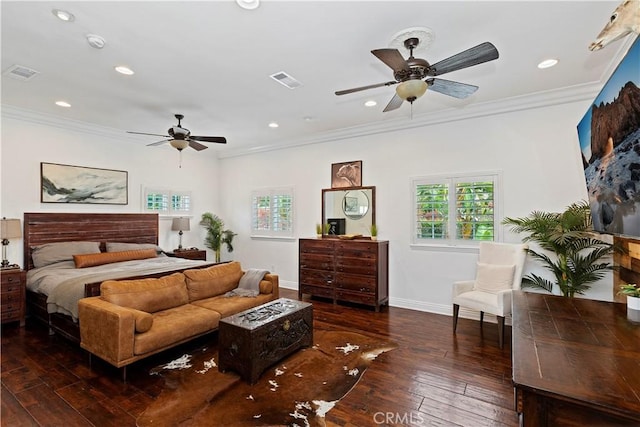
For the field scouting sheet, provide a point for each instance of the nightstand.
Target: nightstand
(196, 254)
(12, 295)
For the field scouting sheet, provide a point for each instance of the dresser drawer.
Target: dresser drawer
(11, 281)
(10, 315)
(357, 250)
(316, 277)
(356, 283)
(317, 291)
(316, 262)
(364, 266)
(317, 247)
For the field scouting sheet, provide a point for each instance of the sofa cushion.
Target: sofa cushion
(91, 260)
(211, 281)
(175, 325)
(228, 306)
(144, 320)
(150, 295)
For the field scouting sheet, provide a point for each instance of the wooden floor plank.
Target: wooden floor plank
(433, 378)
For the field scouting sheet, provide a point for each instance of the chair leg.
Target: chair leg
(481, 318)
(456, 310)
(501, 330)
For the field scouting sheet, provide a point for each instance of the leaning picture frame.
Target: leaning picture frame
(80, 184)
(346, 174)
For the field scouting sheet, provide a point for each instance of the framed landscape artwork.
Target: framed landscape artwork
(347, 174)
(79, 184)
(609, 136)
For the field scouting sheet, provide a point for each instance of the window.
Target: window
(455, 210)
(167, 202)
(272, 212)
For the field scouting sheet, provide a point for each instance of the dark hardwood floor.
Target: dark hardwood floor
(432, 378)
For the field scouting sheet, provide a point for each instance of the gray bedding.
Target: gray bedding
(64, 284)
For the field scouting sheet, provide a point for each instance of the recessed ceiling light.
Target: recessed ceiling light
(370, 103)
(63, 104)
(248, 4)
(63, 15)
(124, 70)
(273, 125)
(547, 63)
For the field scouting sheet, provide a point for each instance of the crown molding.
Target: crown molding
(583, 92)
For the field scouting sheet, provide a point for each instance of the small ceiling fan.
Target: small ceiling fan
(181, 138)
(409, 73)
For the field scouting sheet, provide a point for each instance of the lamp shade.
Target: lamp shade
(180, 224)
(179, 144)
(411, 90)
(10, 228)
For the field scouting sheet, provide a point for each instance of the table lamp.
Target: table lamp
(10, 230)
(180, 225)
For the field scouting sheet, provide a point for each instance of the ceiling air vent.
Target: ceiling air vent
(20, 72)
(285, 79)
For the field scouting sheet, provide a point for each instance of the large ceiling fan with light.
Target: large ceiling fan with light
(181, 138)
(415, 75)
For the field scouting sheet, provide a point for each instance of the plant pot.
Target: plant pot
(633, 308)
(374, 237)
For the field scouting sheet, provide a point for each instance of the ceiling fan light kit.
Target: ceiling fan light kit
(179, 144)
(411, 89)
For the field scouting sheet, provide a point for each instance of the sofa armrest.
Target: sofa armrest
(275, 284)
(106, 330)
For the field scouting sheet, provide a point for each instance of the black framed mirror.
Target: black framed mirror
(349, 210)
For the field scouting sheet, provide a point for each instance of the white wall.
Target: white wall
(536, 150)
(25, 144)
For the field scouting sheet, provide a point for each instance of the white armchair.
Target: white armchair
(498, 273)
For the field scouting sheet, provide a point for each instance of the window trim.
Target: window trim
(270, 234)
(452, 243)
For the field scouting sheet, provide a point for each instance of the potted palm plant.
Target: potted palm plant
(216, 234)
(576, 253)
(374, 232)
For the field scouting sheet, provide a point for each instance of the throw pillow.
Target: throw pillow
(91, 260)
(51, 253)
(494, 277)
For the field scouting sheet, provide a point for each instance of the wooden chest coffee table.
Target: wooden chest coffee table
(252, 340)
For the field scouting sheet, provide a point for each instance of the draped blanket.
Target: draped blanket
(64, 284)
(249, 285)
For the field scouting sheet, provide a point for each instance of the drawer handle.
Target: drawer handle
(10, 279)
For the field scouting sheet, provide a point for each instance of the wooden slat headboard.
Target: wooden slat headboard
(41, 228)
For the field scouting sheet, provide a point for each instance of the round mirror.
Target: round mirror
(355, 204)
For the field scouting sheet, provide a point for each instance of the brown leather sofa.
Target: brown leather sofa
(133, 319)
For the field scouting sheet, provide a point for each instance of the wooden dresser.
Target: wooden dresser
(345, 270)
(13, 295)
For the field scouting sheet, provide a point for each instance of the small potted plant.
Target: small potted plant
(632, 292)
(374, 232)
(319, 230)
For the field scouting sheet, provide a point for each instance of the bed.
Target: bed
(54, 283)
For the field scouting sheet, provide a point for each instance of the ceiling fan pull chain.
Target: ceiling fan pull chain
(180, 163)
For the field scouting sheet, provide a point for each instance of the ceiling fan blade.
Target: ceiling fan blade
(455, 89)
(394, 104)
(152, 134)
(358, 89)
(196, 145)
(393, 58)
(218, 139)
(159, 142)
(476, 55)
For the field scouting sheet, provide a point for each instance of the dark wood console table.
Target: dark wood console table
(575, 362)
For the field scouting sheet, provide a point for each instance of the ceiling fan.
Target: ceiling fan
(409, 73)
(181, 138)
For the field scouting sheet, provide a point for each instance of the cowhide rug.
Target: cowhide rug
(298, 391)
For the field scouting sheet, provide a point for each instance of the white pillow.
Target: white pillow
(494, 277)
